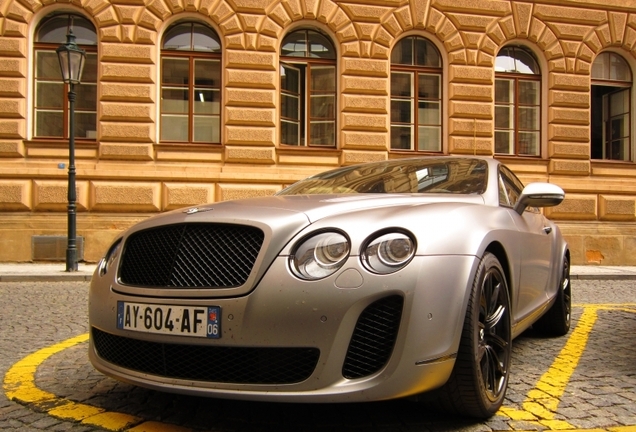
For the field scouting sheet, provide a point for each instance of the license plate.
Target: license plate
(166, 319)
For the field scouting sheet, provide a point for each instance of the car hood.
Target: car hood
(317, 207)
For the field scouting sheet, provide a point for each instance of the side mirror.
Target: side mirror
(539, 195)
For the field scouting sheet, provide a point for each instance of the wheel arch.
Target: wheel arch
(499, 252)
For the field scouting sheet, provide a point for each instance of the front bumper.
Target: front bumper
(283, 313)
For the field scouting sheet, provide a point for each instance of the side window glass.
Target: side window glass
(510, 186)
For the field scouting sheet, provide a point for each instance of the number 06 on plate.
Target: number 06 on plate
(196, 321)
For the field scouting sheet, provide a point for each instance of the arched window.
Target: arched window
(50, 104)
(517, 103)
(307, 90)
(611, 107)
(190, 84)
(416, 96)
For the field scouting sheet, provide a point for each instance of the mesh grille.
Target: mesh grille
(191, 256)
(373, 338)
(238, 365)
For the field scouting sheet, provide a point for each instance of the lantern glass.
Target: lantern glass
(71, 60)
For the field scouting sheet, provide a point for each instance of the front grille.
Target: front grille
(373, 338)
(194, 255)
(237, 365)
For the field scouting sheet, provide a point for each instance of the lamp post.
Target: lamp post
(71, 63)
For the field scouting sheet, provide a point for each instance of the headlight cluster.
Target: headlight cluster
(324, 254)
(110, 257)
(320, 256)
(388, 253)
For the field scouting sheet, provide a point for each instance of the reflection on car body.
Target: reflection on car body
(403, 278)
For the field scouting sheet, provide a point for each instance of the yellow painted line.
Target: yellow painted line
(539, 408)
(541, 404)
(19, 385)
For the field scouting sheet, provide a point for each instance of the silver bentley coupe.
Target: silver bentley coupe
(398, 279)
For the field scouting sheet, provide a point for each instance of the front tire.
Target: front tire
(479, 380)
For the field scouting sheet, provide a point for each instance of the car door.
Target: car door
(535, 245)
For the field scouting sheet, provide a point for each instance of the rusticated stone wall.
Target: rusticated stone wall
(127, 174)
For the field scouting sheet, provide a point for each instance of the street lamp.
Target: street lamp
(71, 63)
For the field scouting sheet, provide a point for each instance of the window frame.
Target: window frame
(515, 106)
(192, 56)
(305, 119)
(415, 72)
(604, 88)
(50, 47)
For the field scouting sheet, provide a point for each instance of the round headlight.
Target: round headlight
(388, 253)
(319, 256)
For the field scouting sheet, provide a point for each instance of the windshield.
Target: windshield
(450, 176)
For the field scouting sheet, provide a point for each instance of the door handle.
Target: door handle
(547, 230)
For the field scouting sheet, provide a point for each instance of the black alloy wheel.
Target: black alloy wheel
(479, 380)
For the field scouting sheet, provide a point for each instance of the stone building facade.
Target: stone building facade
(253, 112)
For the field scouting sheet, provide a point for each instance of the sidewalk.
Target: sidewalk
(53, 272)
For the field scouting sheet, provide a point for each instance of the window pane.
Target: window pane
(289, 79)
(174, 128)
(322, 133)
(323, 79)
(207, 129)
(504, 91)
(528, 118)
(204, 39)
(178, 37)
(428, 86)
(207, 101)
(207, 73)
(320, 46)
(323, 107)
(85, 125)
(49, 123)
(289, 107)
(619, 127)
(295, 45)
(426, 54)
(403, 52)
(504, 117)
(429, 139)
(402, 84)
(600, 67)
(174, 101)
(428, 113)
(89, 74)
(529, 92)
(516, 60)
(289, 133)
(47, 66)
(505, 61)
(86, 97)
(54, 30)
(619, 103)
(503, 142)
(49, 95)
(529, 143)
(619, 70)
(619, 150)
(175, 71)
(525, 62)
(401, 111)
(401, 137)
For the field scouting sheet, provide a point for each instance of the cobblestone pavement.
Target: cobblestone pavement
(555, 383)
